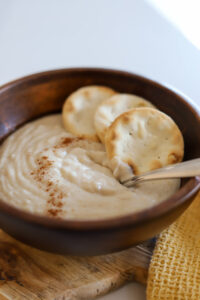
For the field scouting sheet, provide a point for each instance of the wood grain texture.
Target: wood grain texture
(29, 274)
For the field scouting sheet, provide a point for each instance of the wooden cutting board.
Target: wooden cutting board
(29, 274)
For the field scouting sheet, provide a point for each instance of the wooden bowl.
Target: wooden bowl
(44, 93)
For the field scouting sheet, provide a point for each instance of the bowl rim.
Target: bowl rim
(131, 219)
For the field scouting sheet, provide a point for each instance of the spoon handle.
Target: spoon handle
(188, 168)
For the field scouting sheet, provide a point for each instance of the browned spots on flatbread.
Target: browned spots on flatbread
(155, 164)
(126, 119)
(69, 107)
(132, 166)
(79, 108)
(111, 108)
(86, 94)
(114, 136)
(142, 104)
(177, 139)
(145, 133)
(110, 150)
(174, 158)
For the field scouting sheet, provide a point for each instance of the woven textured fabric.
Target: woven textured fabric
(174, 272)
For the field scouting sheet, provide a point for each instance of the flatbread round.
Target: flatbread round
(145, 139)
(79, 107)
(114, 106)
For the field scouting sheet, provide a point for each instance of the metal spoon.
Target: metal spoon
(188, 168)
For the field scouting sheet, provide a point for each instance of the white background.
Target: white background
(124, 34)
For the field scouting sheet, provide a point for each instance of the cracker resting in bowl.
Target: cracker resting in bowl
(79, 107)
(145, 139)
(114, 106)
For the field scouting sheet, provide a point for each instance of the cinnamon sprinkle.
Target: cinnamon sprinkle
(40, 174)
(66, 141)
(54, 212)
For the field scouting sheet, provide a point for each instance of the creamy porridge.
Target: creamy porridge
(46, 170)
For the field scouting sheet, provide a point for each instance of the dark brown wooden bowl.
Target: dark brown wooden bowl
(44, 93)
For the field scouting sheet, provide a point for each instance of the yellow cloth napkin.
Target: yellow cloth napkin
(174, 272)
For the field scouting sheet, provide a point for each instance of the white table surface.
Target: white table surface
(124, 34)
